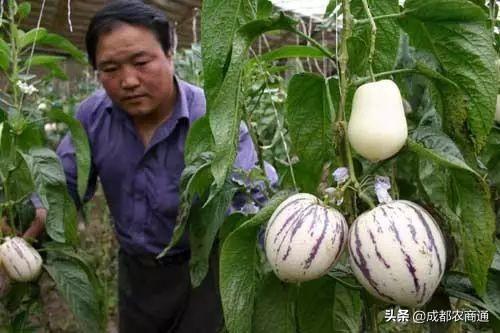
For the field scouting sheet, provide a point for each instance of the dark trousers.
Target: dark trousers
(158, 297)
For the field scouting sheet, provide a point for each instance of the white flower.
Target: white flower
(42, 106)
(50, 127)
(27, 89)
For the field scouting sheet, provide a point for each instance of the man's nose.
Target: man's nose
(129, 78)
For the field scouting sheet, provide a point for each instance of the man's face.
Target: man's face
(134, 70)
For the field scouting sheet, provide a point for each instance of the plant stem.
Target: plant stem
(377, 75)
(13, 45)
(394, 184)
(382, 17)
(280, 128)
(374, 319)
(344, 58)
(372, 39)
(294, 291)
(414, 327)
(352, 172)
(371, 311)
(492, 17)
(346, 284)
(341, 125)
(315, 44)
(7, 205)
(366, 199)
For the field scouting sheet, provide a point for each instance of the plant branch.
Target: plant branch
(394, 184)
(371, 311)
(345, 284)
(13, 45)
(383, 17)
(344, 57)
(352, 172)
(278, 123)
(396, 71)
(373, 38)
(315, 44)
(492, 17)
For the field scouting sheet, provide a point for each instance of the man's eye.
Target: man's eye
(141, 63)
(109, 69)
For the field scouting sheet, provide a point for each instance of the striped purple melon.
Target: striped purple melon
(5, 282)
(397, 252)
(304, 238)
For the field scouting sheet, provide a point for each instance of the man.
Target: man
(137, 128)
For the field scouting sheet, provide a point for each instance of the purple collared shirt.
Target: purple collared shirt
(141, 184)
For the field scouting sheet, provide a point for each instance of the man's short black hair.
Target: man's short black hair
(134, 12)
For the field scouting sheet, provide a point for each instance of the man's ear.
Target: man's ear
(97, 74)
(169, 53)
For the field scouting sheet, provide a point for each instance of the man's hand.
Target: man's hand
(37, 226)
(4, 226)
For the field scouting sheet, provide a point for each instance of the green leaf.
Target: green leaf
(274, 306)
(218, 26)
(43, 59)
(35, 35)
(31, 136)
(445, 10)
(461, 41)
(292, 51)
(23, 10)
(195, 181)
(19, 180)
(330, 8)
(434, 145)
(458, 285)
(204, 224)
(5, 148)
(199, 140)
(477, 227)
(49, 62)
(387, 39)
(238, 272)
(50, 181)
(59, 251)
(492, 295)
(348, 310)
(307, 103)
(491, 157)
(248, 11)
(496, 260)
(76, 288)
(81, 144)
(315, 306)
(432, 74)
(4, 55)
(264, 9)
(196, 177)
(231, 223)
(224, 112)
(63, 44)
(1, 130)
(436, 184)
(472, 221)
